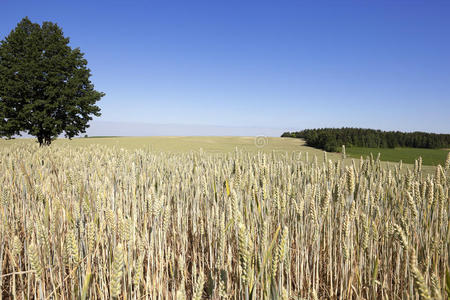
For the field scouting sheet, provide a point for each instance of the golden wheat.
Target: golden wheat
(96, 222)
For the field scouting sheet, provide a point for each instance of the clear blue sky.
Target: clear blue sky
(278, 64)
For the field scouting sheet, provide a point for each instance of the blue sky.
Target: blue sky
(258, 66)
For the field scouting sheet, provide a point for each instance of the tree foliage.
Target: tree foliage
(44, 84)
(332, 139)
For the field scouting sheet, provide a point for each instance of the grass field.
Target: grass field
(430, 157)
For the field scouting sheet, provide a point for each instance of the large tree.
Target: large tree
(44, 84)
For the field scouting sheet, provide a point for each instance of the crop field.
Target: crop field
(104, 218)
(176, 144)
(221, 144)
(432, 157)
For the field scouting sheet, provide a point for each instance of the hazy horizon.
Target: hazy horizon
(108, 128)
(142, 129)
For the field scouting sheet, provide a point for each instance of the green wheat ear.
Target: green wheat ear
(72, 245)
(17, 246)
(244, 256)
(116, 271)
(198, 289)
(138, 270)
(35, 260)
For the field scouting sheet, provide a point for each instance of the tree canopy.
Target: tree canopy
(45, 89)
(332, 139)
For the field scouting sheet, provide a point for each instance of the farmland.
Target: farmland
(105, 218)
(174, 144)
(430, 157)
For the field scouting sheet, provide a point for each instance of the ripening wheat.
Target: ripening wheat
(97, 222)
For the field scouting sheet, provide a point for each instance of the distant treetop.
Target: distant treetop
(332, 139)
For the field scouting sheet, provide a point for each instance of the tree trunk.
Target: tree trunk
(40, 140)
(44, 140)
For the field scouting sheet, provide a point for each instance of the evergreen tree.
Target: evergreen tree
(331, 139)
(44, 84)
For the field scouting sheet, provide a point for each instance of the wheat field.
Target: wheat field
(100, 222)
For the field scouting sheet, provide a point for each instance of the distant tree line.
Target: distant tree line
(332, 139)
